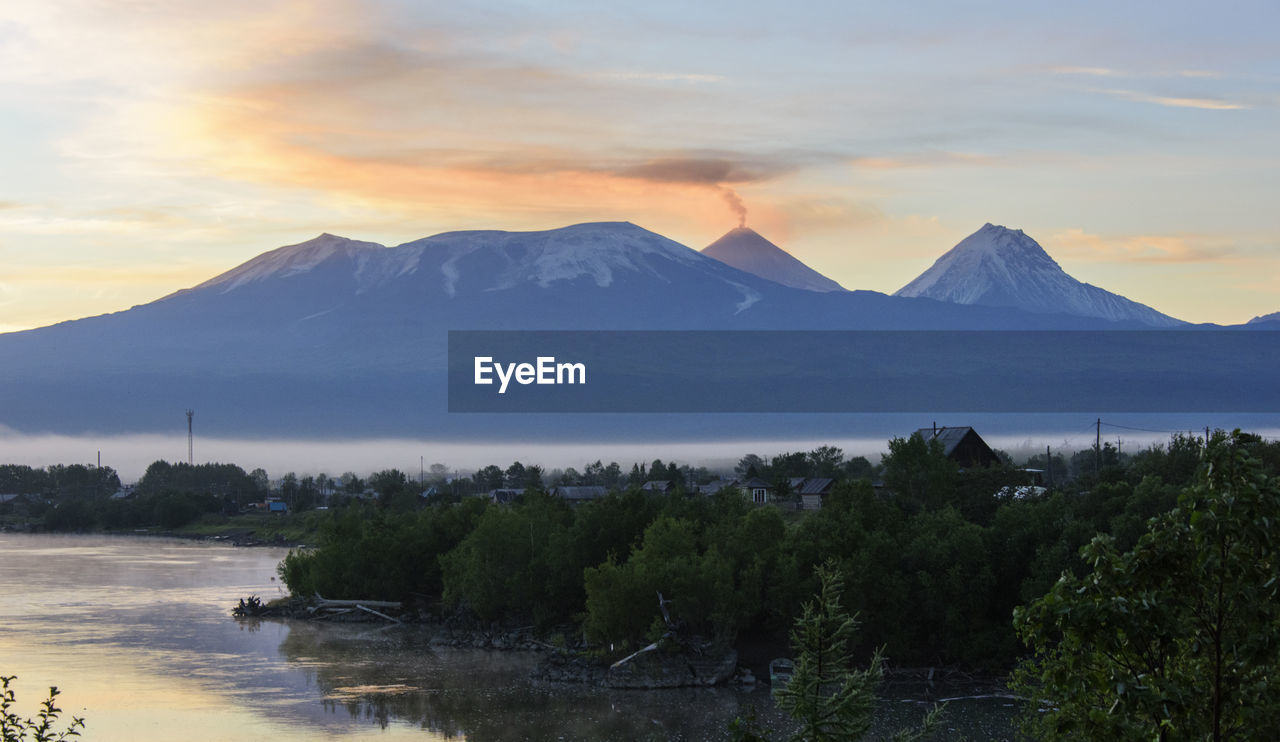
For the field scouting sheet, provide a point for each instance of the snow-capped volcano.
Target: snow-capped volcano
(744, 249)
(1002, 267)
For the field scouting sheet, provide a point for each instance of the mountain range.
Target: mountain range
(335, 335)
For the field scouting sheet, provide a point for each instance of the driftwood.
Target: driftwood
(379, 615)
(671, 633)
(633, 655)
(322, 602)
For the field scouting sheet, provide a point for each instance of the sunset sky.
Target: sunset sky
(151, 145)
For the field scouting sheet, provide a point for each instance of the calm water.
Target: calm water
(136, 633)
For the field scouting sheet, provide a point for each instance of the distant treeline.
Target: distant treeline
(935, 560)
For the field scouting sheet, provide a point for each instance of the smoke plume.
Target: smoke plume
(732, 198)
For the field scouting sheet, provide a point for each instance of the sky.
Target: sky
(148, 146)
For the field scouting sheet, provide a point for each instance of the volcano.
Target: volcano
(744, 249)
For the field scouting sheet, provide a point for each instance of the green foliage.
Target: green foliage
(1174, 639)
(364, 552)
(222, 480)
(828, 695)
(621, 599)
(506, 567)
(936, 574)
(918, 471)
(43, 727)
(945, 563)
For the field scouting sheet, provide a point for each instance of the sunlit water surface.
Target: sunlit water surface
(137, 634)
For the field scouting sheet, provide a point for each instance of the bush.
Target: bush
(41, 728)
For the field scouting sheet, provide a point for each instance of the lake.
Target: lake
(137, 634)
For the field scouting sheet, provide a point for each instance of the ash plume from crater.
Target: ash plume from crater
(732, 198)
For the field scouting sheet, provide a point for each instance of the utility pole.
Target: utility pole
(1097, 450)
(190, 446)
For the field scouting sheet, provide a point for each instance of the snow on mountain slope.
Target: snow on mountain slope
(598, 251)
(293, 260)
(1002, 267)
(744, 249)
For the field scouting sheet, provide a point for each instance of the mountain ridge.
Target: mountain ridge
(1001, 267)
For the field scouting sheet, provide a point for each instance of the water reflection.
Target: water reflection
(137, 633)
(394, 673)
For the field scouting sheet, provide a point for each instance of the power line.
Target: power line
(1143, 430)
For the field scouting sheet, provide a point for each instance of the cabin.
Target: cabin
(962, 445)
(813, 490)
(658, 485)
(757, 489)
(711, 488)
(505, 495)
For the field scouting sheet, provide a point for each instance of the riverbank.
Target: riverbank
(565, 660)
(286, 530)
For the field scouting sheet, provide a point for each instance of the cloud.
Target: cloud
(707, 170)
(1087, 71)
(1209, 104)
(1087, 246)
(684, 77)
(926, 159)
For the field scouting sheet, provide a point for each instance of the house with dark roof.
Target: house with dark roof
(962, 445)
(505, 495)
(710, 488)
(813, 490)
(757, 489)
(658, 485)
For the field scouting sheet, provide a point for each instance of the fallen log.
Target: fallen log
(323, 602)
(379, 615)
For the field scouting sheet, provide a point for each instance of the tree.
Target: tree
(918, 470)
(42, 728)
(515, 475)
(830, 698)
(260, 480)
(1175, 638)
(825, 461)
(749, 466)
(488, 478)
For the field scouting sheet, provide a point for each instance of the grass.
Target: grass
(293, 528)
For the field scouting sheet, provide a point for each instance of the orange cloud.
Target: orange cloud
(1141, 248)
(366, 135)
